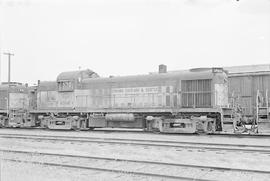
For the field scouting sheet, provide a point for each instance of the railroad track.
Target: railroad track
(141, 131)
(141, 142)
(154, 169)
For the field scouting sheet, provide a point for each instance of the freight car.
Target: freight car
(184, 102)
(14, 105)
(249, 88)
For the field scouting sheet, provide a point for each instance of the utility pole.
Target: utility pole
(9, 56)
(8, 98)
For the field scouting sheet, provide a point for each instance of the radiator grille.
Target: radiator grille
(196, 93)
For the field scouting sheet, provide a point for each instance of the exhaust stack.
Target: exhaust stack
(162, 69)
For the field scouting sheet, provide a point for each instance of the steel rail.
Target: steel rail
(156, 143)
(237, 135)
(139, 161)
(108, 170)
(140, 140)
(97, 168)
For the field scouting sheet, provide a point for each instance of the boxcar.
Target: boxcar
(249, 87)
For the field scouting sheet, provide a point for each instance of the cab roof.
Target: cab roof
(76, 75)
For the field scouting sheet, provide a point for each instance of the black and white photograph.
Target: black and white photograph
(134, 90)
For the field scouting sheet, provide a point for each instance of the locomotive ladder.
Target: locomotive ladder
(262, 113)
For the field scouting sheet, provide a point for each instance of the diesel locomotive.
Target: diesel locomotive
(14, 104)
(190, 101)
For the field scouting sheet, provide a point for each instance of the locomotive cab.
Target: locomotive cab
(59, 98)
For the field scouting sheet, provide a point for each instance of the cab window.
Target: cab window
(65, 86)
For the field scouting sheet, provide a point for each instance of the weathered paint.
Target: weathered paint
(18, 101)
(139, 96)
(66, 99)
(244, 90)
(3, 99)
(55, 99)
(132, 94)
(148, 92)
(47, 99)
(221, 95)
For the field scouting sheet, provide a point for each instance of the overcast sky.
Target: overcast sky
(126, 37)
